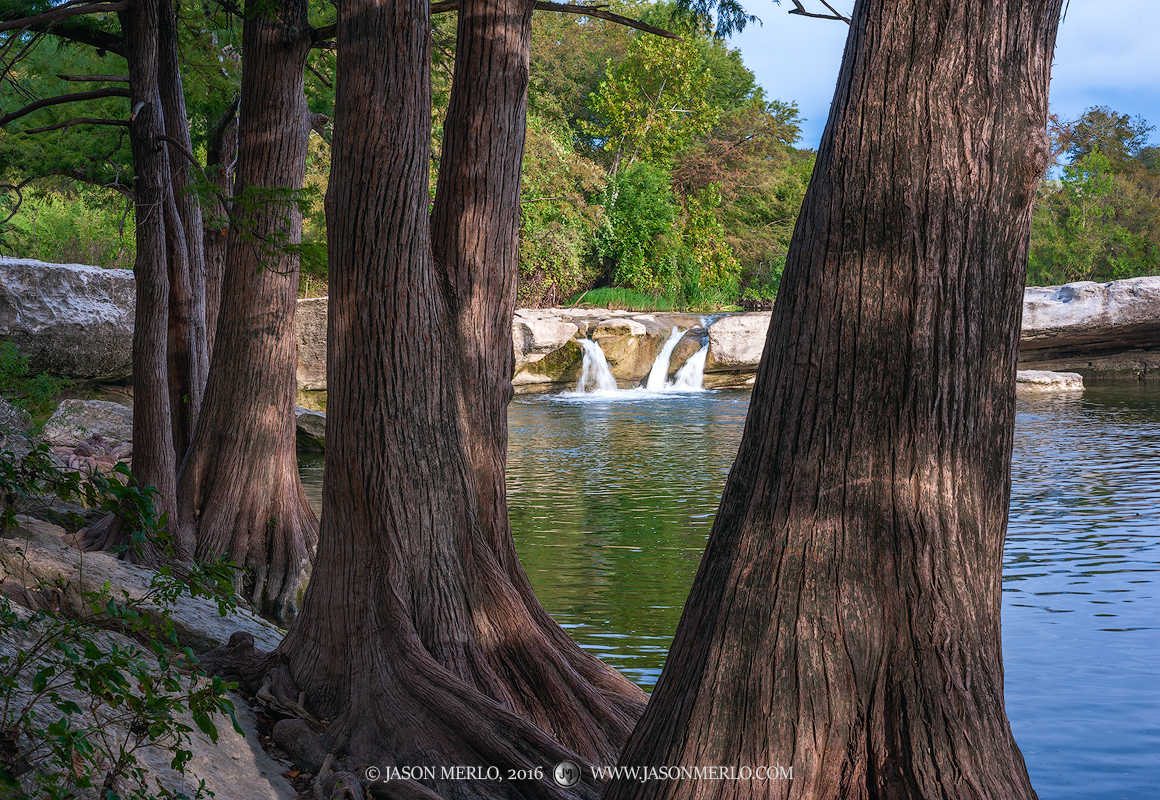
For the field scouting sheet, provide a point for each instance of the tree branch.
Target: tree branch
(79, 121)
(95, 78)
(75, 8)
(600, 12)
(101, 40)
(95, 94)
(801, 11)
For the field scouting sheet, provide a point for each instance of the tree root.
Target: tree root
(414, 714)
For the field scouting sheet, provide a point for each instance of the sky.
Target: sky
(1107, 53)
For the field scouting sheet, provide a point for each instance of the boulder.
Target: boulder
(561, 366)
(35, 554)
(235, 767)
(311, 429)
(72, 320)
(310, 328)
(536, 334)
(1040, 380)
(76, 420)
(1104, 331)
(1092, 316)
(736, 342)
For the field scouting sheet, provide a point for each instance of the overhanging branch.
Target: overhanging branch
(101, 40)
(95, 94)
(95, 78)
(75, 8)
(120, 123)
(600, 12)
(800, 10)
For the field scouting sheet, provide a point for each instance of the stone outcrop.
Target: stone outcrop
(74, 320)
(34, 555)
(1101, 330)
(74, 421)
(310, 427)
(71, 320)
(1040, 380)
(310, 327)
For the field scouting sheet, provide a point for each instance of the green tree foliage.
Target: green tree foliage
(560, 212)
(717, 271)
(1100, 220)
(71, 223)
(640, 242)
(652, 105)
(721, 180)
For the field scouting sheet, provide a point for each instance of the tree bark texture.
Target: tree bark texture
(220, 165)
(188, 357)
(845, 617)
(241, 496)
(414, 636)
(154, 461)
(475, 236)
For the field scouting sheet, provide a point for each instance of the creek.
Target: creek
(612, 495)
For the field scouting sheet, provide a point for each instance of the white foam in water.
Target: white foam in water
(690, 377)
(660, 368)
(595, 366)
(594, 369)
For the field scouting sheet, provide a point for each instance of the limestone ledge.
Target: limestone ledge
(76, 321)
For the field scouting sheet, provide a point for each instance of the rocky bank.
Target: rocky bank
(76, 321)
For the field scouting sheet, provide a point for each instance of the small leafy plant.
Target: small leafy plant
(81, 693)
(36, 394)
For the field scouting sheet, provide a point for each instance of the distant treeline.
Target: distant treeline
(655, 170)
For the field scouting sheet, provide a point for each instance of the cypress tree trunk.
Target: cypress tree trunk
(220, 165)
(189, 356)
(845, 618)
(417, 636)
(241, 496)
(154, 461)
(475, 237)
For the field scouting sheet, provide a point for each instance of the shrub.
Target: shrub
(69, 684)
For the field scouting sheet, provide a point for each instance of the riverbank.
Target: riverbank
(76, 321)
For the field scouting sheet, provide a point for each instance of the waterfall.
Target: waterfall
(596, 365)
(594, 369)
(690, 376)
(660, 368)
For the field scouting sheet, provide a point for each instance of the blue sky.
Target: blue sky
(1107, 53)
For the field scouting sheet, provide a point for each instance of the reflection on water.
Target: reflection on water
(611, 501)
(1081, 610)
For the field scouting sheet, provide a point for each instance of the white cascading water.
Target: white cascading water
(660, 368)
(594, 369)
(692, 374)
(595, 366)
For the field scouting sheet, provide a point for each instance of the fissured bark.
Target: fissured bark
(419, 636)
(845, 617)
(240, 492)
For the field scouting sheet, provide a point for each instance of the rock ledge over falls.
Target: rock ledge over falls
(76, 321)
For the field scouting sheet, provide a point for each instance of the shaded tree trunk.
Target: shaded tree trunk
(418, 635)
(475, 238)
(189, 356)
(220, 166)
(845, 617)
(241, 496)
(153, 454)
